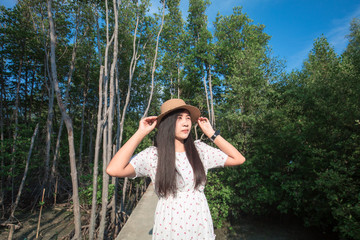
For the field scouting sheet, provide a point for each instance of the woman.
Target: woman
(178, 167)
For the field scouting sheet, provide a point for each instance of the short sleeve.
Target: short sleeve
(143, 162)
(210, 156)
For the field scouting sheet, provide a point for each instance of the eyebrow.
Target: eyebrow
(184, 113)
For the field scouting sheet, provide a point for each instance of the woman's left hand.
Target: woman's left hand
(205, 126)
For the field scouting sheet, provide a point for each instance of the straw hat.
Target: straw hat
(174, 104)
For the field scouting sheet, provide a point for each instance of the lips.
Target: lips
(185, 131)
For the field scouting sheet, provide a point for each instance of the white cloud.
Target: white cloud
(295, 61)
(337, 36)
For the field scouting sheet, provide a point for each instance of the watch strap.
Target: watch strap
(217, 133)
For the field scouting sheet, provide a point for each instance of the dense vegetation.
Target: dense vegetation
(300, 131)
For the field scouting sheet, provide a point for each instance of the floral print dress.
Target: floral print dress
(187, 215)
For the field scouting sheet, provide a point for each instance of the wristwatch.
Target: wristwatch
(217, 133)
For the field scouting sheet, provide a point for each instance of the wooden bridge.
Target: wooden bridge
(141, 221)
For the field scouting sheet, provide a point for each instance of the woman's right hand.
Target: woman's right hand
(147, 124)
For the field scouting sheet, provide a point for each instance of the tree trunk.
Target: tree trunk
(178, 86)
(171, 88)
(69, 126)
(207, 97)
(31, 100)
(122, 206)
(54, 174)
(91, 133)
(154, 62)
(2, 194)
(48, 131)
(80, 164)
(25, 173)
(109, 144)
(99, 131)
(113, 204)
(103, 128)
(25, 104)
(134, 59)
(114, 180)
(105, 132)
(85, 93)
(16, 114)
(212, 119)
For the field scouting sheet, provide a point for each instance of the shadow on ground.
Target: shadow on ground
(55, 224)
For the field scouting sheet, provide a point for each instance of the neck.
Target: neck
(179, 146)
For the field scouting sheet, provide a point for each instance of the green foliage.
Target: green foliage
(86, 193)
(198, 55)
(219, 197)
(303, 150)
(300, 132)
(241, 59)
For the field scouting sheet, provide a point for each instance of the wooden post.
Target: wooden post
(56, 183)
(42, 203)
(12, 227)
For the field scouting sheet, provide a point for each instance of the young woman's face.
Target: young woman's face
(183, 126)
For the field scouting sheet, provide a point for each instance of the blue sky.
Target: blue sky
(292, 24)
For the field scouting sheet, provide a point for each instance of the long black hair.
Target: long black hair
(165, 179)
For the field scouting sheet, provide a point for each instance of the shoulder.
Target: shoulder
(147, 152)
(201, 146)
(147, 156)
(150, 150)
(199, 143)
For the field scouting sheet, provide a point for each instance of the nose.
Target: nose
(186, 122)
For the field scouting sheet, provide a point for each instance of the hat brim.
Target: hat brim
(194, 113)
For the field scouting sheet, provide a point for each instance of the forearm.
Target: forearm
(121, 159)
(227, 148)
(235, 157)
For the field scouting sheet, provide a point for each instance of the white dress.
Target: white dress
(186, 216)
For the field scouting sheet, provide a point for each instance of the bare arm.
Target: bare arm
(234, 156)
(119, 165)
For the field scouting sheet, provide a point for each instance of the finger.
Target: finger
(151, 118)
(203, 120)
(152, 121)
(201, 124)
